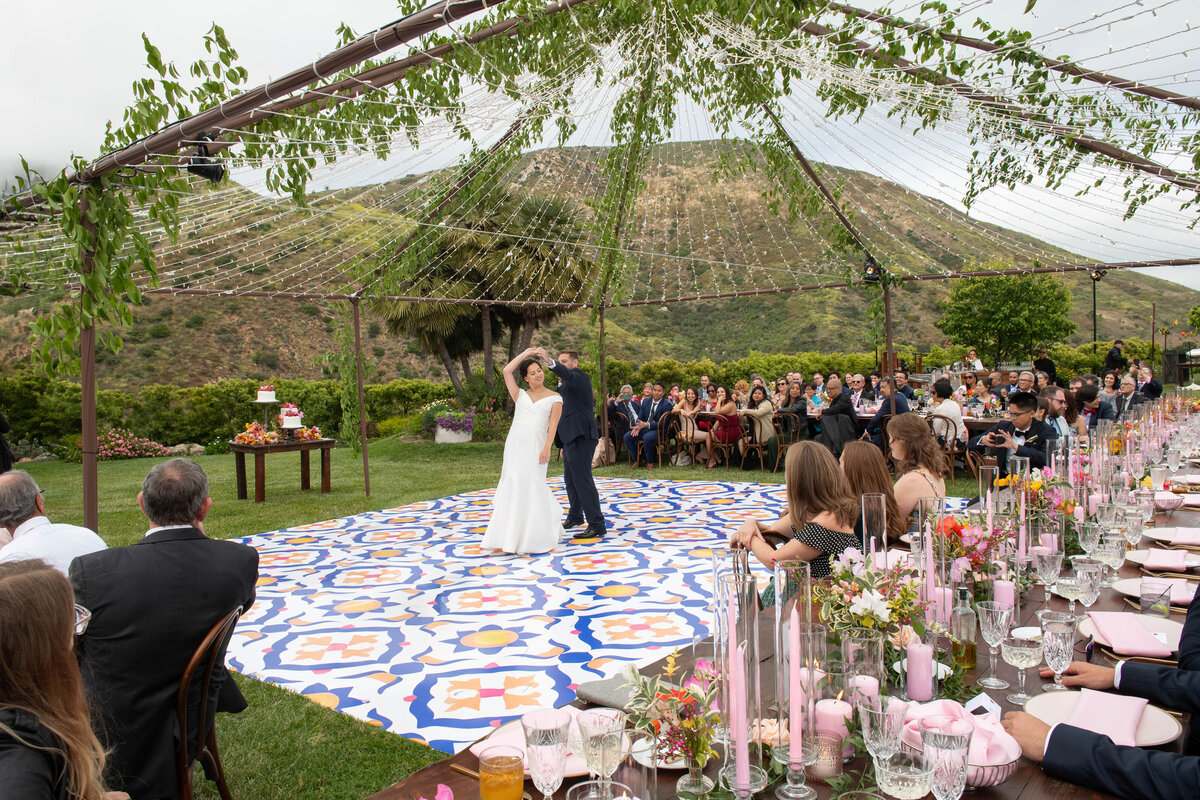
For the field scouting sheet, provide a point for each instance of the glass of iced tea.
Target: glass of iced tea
(501, 773)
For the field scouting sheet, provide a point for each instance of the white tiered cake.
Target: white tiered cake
(266, 394)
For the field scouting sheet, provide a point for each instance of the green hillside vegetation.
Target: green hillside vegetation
(193, 340)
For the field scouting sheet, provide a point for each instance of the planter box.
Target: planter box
(447, 436)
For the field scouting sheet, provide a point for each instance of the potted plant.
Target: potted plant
(454, 427)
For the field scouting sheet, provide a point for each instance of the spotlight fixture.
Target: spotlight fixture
(211, 169)
(872, 272)
(1097, 274)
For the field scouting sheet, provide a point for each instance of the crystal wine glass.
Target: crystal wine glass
(882, 720)
(546, 733)
(1022, 654)
(1133, 522)
(994, 621)
(905, 775)
(1111, 551)
(1092, 571)
(1089, 536)
(1058, 646)
(593, 725)
(945, 741)
(1073, 586)
(1048, 563)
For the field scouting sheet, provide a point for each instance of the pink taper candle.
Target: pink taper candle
(795, 693)
(1021, 529)
(737, 714)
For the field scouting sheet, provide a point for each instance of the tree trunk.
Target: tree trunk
(466, 368)
(448, 363)
(527, 333)
(489, 367)
(514, 338)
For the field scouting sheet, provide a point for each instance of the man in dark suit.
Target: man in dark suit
(1022, 434)
(578, 434)
(1149, 385)
(644, 435)
(1116, 360)
(859, 391)
(623, 412)
(1092, 760)
(1092, 407)
(152, 604)
(1127, 397)
(887, 393)
(1043, 364)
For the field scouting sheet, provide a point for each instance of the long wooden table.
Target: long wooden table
(1028, 783)
(260, 452)
(974, 425)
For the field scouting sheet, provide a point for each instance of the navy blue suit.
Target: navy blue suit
(875, 426)
(1034, 448)
(647, 439)
(578, 435)
(1092, 760)
(1103, 411)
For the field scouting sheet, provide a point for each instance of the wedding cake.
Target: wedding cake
(266, 394)
(290, 416)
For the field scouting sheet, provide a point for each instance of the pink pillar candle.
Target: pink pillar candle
(864, 686)
(1005, 592)
(831, 716)
(919, 673)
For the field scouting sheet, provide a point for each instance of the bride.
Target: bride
(526, 517)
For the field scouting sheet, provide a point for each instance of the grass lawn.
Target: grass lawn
(285, 746)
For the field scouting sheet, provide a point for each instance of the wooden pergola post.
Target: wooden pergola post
(87, 377)
(362, 402)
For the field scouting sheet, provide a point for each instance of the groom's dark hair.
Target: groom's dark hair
(572, 353)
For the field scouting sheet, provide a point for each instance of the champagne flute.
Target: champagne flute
(994, 620)
(546, 733)
(1022, 654)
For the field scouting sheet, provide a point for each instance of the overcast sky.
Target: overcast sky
(57, 103)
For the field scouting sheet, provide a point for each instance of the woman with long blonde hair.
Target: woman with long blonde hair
(47, 747)
(920, 462)
(820, 516)
(867, 473)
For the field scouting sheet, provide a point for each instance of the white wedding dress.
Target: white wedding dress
(526, 517)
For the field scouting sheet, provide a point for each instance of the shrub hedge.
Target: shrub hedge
(47, 410)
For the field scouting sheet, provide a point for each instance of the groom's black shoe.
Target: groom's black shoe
(572, 522)
(593, 532)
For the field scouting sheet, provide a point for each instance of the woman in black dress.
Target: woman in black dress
(820, 515)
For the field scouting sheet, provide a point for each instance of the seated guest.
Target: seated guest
(860, 393)
(1040, 380)
(949, 408)
(1090, 378)
(152, 604)
(818, 382)
(1093, 760)
(867, 472)
(741, 391)
(23, 511)
(887, 394)
(796, 402)
(1091, 407)
(839, 420)
(1128, 398)
(820, 513)
(1058, 409)
(47, 748)
(1110, 384)
(836, 401)
(920, 463)
(1014, 382)
(1074, 385)
(780, 393)
(1043, 363)
(623, 412)
(966, 389)
(874, 378)
(902, 385)
(761, 413)
(687, 410)
(757, 380)
(705, 386)
(642, 438)
(1070, 413)
(728, 429)
(647, 390)
(1019, 435)
(1149, 385)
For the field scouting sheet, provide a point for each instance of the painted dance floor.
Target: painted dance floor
(399, 618)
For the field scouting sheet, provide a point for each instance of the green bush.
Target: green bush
(159, 330)
(393, 426)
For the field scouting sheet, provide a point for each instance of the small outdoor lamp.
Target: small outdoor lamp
(211, 169)
(872, 272)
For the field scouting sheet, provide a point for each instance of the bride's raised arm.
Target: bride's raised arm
(555, 413)
(510, 373)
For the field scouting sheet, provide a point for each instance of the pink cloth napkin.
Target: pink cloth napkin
(1181, 593)
(1191, 500)
(1188, 536)
(1170, 560)
(1113, 715)
(1126, 635)
(1192, 480)
(990, 744)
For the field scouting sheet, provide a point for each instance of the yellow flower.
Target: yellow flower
(1147, 483)
(1035, 485)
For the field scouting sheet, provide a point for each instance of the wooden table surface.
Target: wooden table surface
(1028, 783)
(260, 452)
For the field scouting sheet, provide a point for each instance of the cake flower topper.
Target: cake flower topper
(266, 388)
(290, 410)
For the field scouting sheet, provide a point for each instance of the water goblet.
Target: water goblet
(1133, 522)
(1058, 645)
(1173, 460)
(546, 747)
(1145, 501)
(1111, 551)
(1092, 570)
(1089, 536)
(905, 776)
(994, 621)
(1073, 586)
(882, 719)
(593, 725)
(1047, 561)
(1022, 654)
(945, 741)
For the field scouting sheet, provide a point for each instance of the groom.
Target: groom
(577, 432)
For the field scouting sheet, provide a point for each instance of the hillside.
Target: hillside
(191, 340)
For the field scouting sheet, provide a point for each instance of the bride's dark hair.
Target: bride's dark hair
(525, 365)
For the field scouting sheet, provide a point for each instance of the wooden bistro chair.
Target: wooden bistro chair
(975, 461)
(666, 431)
(753, 445)
(618, 441)
(950, 442)
(198, 739)
(726, 449)
(790, 428)
(685, 437)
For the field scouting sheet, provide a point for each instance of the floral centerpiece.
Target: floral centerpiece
(685, 718)
(862, 594)
(1051, 498)
(255, 433)
(309, 434)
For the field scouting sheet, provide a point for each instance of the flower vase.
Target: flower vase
(695, 781)
(447, 436)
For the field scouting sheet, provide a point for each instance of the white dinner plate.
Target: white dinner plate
(1132, 587)
(1170, 628)
(1156, 728)
(1139, 557)
(1164, 535)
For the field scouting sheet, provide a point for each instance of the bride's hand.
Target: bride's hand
(544, 458)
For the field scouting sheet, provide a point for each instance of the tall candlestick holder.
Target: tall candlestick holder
(796, 657)
(1018, 478)
(743, 772)
(732, 561)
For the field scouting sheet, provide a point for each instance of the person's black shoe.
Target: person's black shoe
(573, 522)
(593, 532)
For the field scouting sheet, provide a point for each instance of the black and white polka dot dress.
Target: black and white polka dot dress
(830, 543)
